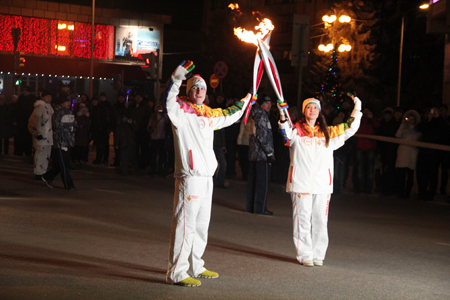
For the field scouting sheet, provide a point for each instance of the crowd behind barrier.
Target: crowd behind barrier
(390, 151)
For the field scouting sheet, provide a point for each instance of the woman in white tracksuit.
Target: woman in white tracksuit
(310, 178)
(193, 125)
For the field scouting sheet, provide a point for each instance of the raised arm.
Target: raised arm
(176, 114)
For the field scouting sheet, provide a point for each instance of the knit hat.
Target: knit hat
(195, 80)
(63, 98)
(309, 101)
(263, 99)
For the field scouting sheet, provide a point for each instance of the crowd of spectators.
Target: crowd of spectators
(142, 140)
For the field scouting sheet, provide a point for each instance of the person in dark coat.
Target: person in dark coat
(23, 141)
(140, 113)
(388, 151)
(118, 111)
(5, 126)
(100, 125)
(432, 129)
(64, 127)
(261, 155)
(125, 141)
(82, 136)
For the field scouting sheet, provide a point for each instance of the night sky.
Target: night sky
(182, 12)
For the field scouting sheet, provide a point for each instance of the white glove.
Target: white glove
(280, 110)
(182, 71)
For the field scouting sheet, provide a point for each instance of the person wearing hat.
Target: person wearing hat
(261, 156)
(310, 178)
(407, 155)
(193, 125)
(40, 127)
(64, 126)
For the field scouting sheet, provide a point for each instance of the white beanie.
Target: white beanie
(195, 80)
(308, 101)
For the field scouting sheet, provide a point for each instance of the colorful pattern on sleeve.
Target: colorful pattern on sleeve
(339, 129)
(206, 111)
(335, 131)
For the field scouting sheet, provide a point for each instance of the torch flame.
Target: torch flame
(248, 36)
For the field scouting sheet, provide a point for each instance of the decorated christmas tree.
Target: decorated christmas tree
(331, 91)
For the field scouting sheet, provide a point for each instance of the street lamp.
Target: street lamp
(399, 83)
(329, 23)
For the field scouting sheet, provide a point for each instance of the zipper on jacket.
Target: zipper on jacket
(191, 165)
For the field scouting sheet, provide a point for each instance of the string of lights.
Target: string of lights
(58, 38)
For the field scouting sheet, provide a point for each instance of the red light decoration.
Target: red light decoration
(45, 37)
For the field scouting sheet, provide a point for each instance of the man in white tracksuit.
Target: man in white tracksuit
(40, 127)
(193, 125)
(310, 178)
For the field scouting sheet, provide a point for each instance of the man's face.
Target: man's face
(102, 98)
(66, 104)
(197, 94)
(138, 99)
(266, 105)
(121, 99)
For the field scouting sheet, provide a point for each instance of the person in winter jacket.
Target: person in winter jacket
(310, 180)
(125, 140)
(261, 156)
(433, 130)
(365, 153)
(193, 125)
(82, 136)
(243, 141)
(157, 126)
(407, 155)
(64, 127)
(5, 125)
(40, 127)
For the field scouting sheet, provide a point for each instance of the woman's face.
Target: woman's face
(311, 111)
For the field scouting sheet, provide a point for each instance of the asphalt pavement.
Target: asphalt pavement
(110, 240)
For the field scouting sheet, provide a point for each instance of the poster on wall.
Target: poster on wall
(132, 41)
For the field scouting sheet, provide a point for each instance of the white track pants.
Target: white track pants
(190, 222)
(41, 159)
(310, 216)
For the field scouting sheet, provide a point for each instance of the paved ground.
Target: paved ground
(109, 240)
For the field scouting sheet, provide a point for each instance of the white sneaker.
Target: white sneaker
(318, 262)
(308, 263)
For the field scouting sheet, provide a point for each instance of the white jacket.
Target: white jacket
(40, 123)
(193, 129)
(311, 168)
(407, 155)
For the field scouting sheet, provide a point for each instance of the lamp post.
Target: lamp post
(91, 72)
(402, 32)
(329, 22)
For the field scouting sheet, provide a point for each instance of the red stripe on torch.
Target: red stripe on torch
(275, 77)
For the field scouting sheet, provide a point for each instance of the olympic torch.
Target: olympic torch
(263, 60)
